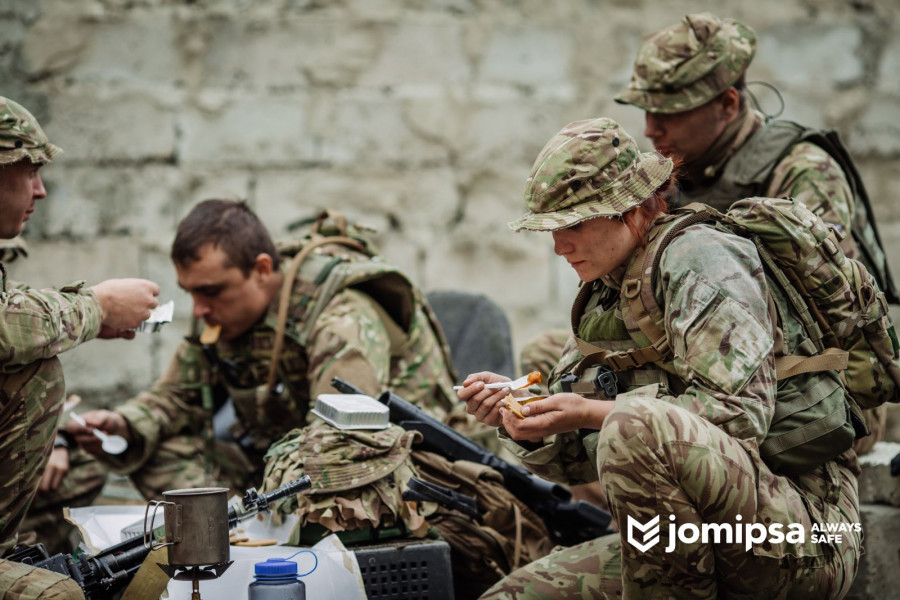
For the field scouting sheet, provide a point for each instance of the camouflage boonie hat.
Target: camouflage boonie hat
(342, 459)
(21, 136)
(591, 168)
(687, 65)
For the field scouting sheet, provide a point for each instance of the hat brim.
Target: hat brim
(613, 200)
(663, 103)
(41, 155)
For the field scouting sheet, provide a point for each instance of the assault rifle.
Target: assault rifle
(113, 568)
(568, 522)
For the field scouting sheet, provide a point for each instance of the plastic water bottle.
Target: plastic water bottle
(276, 579)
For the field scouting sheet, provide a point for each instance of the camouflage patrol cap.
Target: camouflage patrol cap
(343, 459)
(21, 136)
(687, 65)
(591, 168)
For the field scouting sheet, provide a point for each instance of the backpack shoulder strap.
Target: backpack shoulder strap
(287, 286)
(644, 313)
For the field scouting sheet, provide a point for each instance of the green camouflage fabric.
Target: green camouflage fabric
(24, 582)
(35, 326)
(695, 454)
(482, 552)
(44, 521)
(358, 478)
(590, 169)
(657, 459)
(805, 172)
(810, 175)
(345, 337)
(686, 65)
(12, 249)
(21, 136)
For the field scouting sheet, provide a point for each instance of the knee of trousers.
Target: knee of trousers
(636, 431)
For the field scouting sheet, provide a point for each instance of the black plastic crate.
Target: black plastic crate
(406, 570)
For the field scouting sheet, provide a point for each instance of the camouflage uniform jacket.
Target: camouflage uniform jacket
(346, 336)
(36, 325)
(713, 291)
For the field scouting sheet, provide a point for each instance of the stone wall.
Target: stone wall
(420, 117)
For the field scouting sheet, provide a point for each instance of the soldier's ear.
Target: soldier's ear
(263, 264)
(731, 103)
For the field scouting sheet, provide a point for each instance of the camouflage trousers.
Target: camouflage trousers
(657, 460)
(44, 521)
(183, 462)
(24, 582)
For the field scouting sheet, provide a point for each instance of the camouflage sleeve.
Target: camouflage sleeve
(349, 341)
(713, 290)
(39, 324)
(810, 175)
(173, 405)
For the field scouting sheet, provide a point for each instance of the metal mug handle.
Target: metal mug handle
(148, 535)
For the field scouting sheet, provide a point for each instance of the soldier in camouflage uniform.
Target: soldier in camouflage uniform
(346, 313)
(690, 81)
(35, 326)
(687, 445)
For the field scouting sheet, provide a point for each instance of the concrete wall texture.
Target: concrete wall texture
(419, 117)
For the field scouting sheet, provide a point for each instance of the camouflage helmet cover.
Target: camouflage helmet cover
(687, 65)
(591, 168)
(21, 136)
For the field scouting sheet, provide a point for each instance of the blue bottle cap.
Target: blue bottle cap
(276, 567)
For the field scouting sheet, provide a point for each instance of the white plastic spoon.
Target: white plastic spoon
(111, 444)
(516, 384)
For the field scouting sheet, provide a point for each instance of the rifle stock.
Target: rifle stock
(568, 522)
(113, 568)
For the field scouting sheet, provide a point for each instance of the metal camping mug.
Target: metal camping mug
(196, 524)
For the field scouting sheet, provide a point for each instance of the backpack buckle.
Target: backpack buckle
(631, 288)
(604, 382)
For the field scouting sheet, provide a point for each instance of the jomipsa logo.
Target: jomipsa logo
(644, 536)
(650, 533)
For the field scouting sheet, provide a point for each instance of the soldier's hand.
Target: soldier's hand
(110, 333)
(559, 413)
(106, 421)
(56, 470)
(481, 402)
(125, 303)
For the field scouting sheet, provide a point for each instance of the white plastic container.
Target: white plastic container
(352, 411)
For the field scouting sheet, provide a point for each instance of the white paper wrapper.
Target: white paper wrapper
(159, 316)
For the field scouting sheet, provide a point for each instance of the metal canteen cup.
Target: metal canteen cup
(196, 526)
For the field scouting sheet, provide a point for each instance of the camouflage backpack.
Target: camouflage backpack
(843, 312)
(333, 257)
